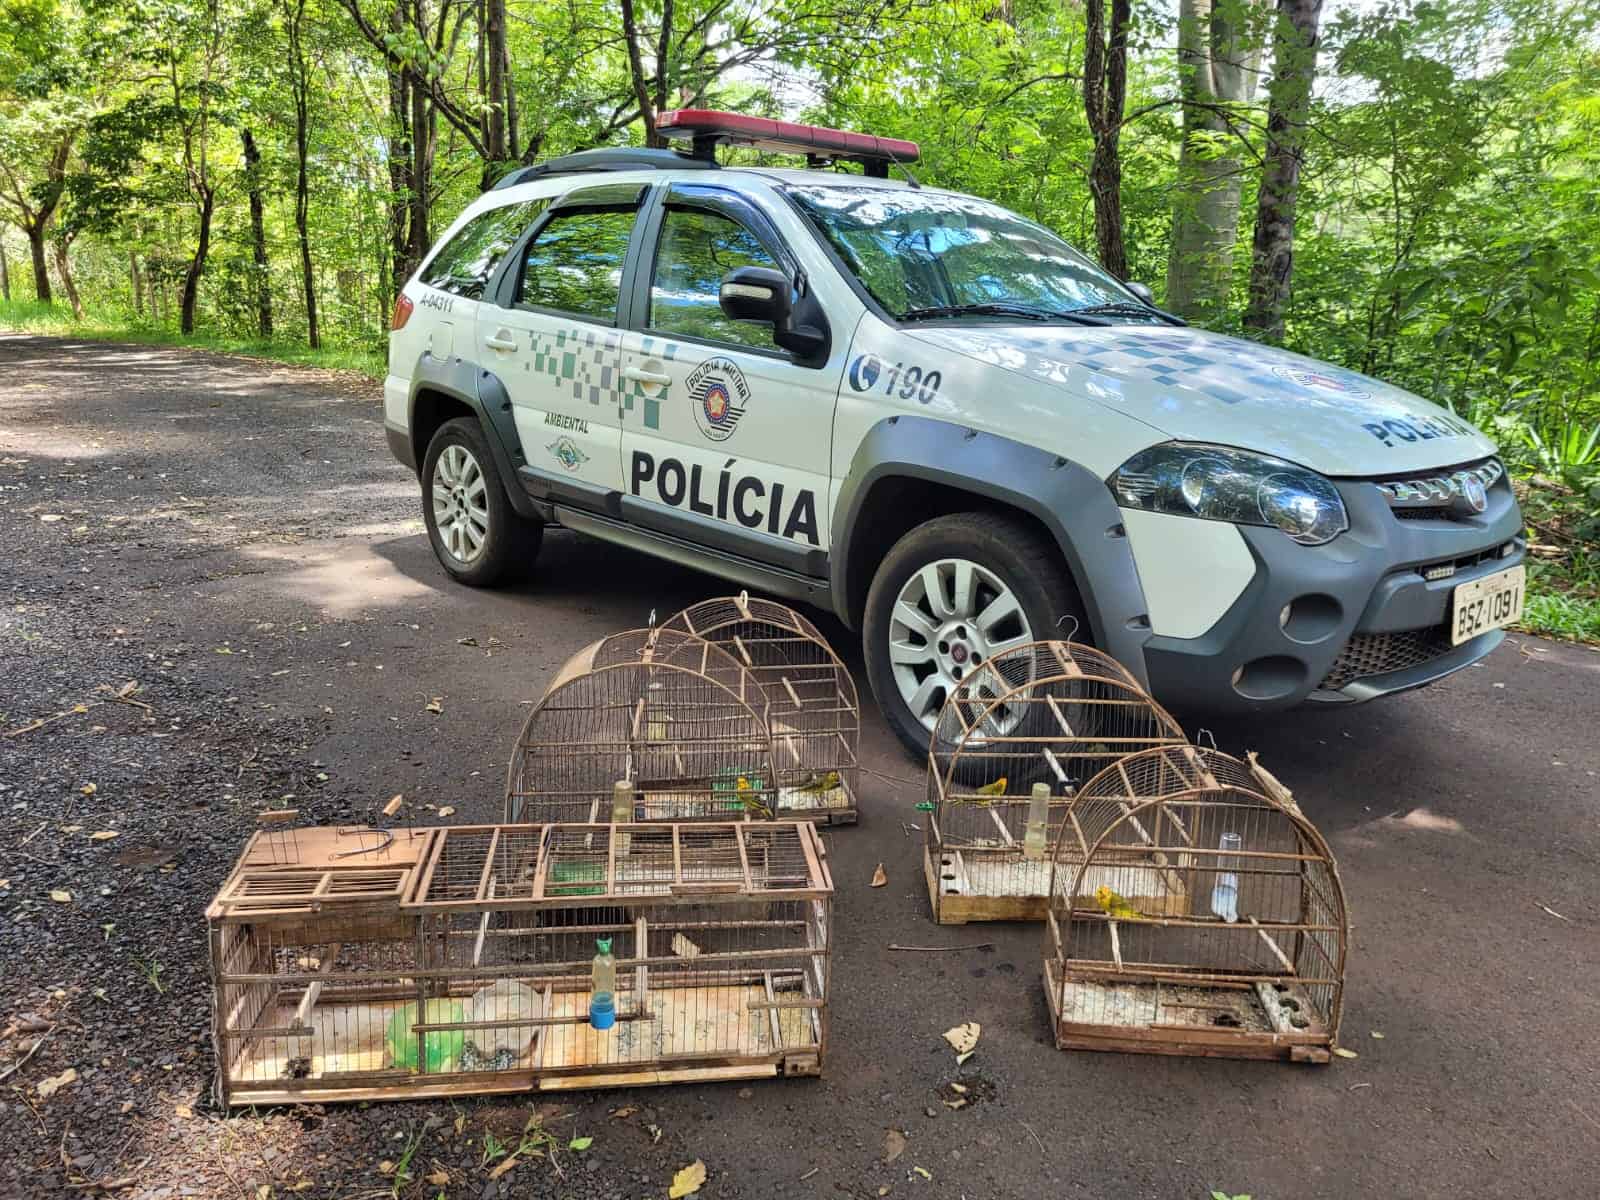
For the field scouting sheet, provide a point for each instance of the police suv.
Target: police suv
(937, 419)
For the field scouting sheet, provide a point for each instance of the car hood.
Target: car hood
(1196, 386)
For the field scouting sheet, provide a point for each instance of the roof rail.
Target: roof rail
(616, 158)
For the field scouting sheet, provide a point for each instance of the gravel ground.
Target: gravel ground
(216, 595)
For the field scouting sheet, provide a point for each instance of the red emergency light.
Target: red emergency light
(706, 128)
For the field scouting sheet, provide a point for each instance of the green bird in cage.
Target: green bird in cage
(748, 788)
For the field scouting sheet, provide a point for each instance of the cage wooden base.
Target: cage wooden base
(1260, 1032)
(999, 884)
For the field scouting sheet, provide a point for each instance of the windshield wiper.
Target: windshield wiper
(1129, 308)
(1028, 312)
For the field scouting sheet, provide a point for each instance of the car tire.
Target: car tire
(1004, 552)
(464, 498)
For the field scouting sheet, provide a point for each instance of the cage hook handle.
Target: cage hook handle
(1073, 632)
(651, 623)
(1204, 737)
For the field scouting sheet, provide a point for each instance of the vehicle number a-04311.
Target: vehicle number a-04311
(1486, 604)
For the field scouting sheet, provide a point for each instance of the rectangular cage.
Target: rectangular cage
(461, 960)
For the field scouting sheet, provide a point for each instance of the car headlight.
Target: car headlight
(1220, 484)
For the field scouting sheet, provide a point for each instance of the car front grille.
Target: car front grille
(1379, 653)
(1440, 495)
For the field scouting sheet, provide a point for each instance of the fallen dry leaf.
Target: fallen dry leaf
(183, 1112)
(386, 1167)
(88, 789)
(127, 1107)
(49, 1087)
(103, 835)
(505, 1165)
(449, 810)
(963, 1038)
(439, 1179)
(958, 1089)
(1377, 1035)
(61, 896)
(683, 947)
(962, 1058)
(4, 884)
(880, 876)
(623, 1113)
(687, 1181)
(436, 705)
(894, 1145)
(1342, 1052)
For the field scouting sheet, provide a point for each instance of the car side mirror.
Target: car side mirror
(765, 295)
(1143, 292)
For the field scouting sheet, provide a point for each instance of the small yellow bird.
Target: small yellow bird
(1113, 905)
(750, 797)
(820, 783)
(997, 788)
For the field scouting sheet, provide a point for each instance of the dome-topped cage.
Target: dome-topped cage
(1014, 741)
(1194, 910)
(647, 725)
(812, 703)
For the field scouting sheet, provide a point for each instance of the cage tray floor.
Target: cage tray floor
(713, 1022)
(1001, 885)
(1174, 1018)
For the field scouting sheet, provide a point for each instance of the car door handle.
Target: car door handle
(501, 339)
(639, 375)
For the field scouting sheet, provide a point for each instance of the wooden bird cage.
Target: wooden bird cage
(459, 960)
(1013, 742)
(1194, 910)
(811, 699)
(648, 725)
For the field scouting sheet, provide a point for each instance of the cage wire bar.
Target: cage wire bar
(1194, 910)
(646, 725)
(472, 974)
(812, 702)
(1012, 743)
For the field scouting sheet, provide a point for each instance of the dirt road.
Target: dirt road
(232, 538)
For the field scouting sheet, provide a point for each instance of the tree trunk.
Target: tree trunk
(421, 176)
(197, 264)
(41, 270)
(1105, 88)
(258, 234)
(1217, 69)
(399, 165)
(300, 87)
(495, 48)
(135, 285)
(1294, 71)
(64, 269)
(641, 90)
(5, 274)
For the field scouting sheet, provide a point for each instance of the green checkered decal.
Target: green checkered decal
(585, 361)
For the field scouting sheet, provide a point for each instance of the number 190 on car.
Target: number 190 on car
(1486, 604)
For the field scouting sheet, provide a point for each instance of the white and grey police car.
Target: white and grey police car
(937, 419)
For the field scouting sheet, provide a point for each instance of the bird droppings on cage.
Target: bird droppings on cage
(1194, 910)
(480, 959)
(647, 725)
(1013, 742)
(812, 704)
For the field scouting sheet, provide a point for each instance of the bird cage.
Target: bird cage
(1014, 740)
(466, 959)
(1194, 910)
(648, 725)
(816, 718)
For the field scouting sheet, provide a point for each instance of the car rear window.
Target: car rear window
(464, 263)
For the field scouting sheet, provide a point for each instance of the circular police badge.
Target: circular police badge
(718, 392)
(1325, 381)
(864, 372)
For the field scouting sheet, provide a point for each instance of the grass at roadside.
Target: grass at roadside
(1572, 618)
(26, 316)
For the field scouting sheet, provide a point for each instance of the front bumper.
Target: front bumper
(1364, 621)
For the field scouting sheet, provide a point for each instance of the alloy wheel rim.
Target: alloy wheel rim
(951, 618)
(460, 504)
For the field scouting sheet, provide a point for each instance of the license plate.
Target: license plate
(1486, 604)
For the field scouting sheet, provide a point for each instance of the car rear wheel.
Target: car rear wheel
(949, 596)
(476, 535)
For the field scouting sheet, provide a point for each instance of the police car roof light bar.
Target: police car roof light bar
(707, 128)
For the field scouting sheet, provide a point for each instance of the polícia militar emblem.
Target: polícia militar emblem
(719, 394)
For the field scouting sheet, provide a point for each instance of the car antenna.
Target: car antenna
(910, 178)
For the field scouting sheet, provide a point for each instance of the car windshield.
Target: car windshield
(934, 254)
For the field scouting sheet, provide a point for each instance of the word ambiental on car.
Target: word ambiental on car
(753, 502)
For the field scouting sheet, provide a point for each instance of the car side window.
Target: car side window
(574, 264)
(464, 263)
(697, 248)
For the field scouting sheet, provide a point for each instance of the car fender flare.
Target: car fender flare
(483, 392)
(1071, 502)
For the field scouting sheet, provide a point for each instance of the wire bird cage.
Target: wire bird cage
(1194, 910)
(465, 960)
(1013, 741)
(648, 725)
(812, 703)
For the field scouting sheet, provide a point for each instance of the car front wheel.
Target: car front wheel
(476, 535)
(950, 595)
